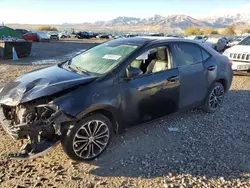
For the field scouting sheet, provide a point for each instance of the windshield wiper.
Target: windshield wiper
(77, 68)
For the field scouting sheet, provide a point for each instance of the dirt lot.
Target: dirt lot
(54, 51)
(208, 150)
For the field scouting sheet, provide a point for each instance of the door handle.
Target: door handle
(173, 79)
(211, 68)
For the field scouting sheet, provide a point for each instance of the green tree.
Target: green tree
(193, 31)
(46, 28)
(229, 31)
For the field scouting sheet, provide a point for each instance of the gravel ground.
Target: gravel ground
(207, 150)
(54, 51)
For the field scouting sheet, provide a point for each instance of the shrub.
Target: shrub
(229, 31)
(193, 31)
(215, 32)
(209, 31)
(46, 28)
(246, 31)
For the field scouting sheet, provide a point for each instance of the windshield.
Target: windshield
(102, 58)
(245, 41)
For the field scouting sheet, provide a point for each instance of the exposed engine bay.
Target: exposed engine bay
(39, 122)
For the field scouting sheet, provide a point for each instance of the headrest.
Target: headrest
(161, 53)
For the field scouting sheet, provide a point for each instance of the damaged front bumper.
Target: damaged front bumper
(42, 135)
(12, 130)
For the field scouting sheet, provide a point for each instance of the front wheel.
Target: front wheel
(214, 98)
(88, 138)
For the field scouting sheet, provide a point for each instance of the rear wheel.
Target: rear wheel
(214, 98)
(88, 138)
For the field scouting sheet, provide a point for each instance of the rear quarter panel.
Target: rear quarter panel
(223, 70)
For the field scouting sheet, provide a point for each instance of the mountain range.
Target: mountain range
(177, 21)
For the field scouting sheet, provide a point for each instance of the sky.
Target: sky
(79, 11)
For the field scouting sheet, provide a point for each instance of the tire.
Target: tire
(214, 98)
(78, 143)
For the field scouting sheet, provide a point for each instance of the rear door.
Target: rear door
(193, 78)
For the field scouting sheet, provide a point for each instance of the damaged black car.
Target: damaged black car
(83, 102)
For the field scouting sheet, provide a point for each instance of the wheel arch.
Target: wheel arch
(109, 111)
(223, 81)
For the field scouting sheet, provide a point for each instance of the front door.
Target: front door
(152, 94)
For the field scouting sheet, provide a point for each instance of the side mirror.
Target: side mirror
(132, 72)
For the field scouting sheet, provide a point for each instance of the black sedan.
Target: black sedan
(83, 102)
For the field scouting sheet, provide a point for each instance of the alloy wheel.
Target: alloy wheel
(91, 139)
(216, 97)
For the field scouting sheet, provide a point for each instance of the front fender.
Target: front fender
(98, 107)
(102, 95)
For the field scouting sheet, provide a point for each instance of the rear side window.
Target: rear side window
(205, 55)
(187, 54)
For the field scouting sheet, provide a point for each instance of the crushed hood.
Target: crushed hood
(41, 83)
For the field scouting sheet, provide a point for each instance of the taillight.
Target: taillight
(230, 63)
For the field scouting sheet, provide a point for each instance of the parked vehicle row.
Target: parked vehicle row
(39, 36)
(236, 47)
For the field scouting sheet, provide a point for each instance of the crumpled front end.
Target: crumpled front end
(17, 92)
(27, 110)
(40, 122)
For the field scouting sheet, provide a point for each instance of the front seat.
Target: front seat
(160, 63)
(136, 64)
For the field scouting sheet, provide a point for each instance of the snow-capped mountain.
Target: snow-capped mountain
(178, 21)
(173, 21)
(124, 21)
(225, 20)
(182, 21)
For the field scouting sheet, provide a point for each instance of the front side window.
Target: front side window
(154, 60)
(245, 41)
(187, 54)
(102, 58)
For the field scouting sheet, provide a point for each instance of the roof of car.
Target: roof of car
(145, 39)
(173, 39)
(168, 39)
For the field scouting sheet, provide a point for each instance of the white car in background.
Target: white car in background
(64, 34)
(53, 35)
(236, 41)
(197, 38)
(43, 36)
(240, 55)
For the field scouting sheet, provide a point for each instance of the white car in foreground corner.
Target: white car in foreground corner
(240, 55)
